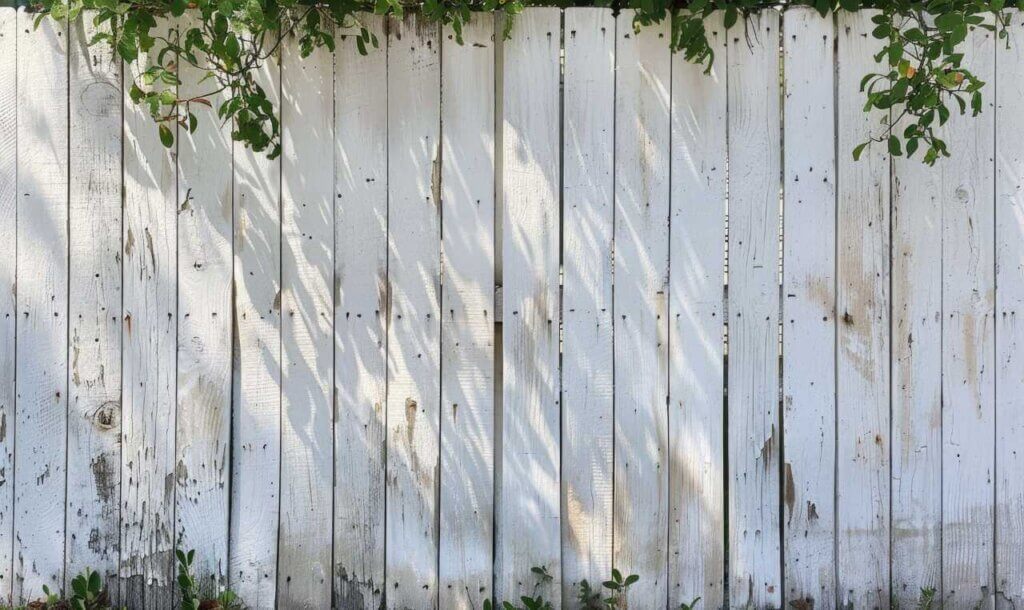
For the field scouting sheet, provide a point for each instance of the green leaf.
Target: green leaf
(731, 15)
(858, 150)
(166, 137)
(894, 146)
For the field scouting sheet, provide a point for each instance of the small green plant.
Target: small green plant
(588, 598)
(186, 581)
(927, 598)
(51, 599)
(689, 606)
(535, 601)
(88, 592)
(619, 588)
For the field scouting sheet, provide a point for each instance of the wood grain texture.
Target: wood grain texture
(587, 232)
(205, 329)
(256, 417)
(696, 322)
(414, 325)
(862, 335)
(528, 520)
(149, 367)
(467, 316)
(360, 318)
(808, 309)
(42, 332)
(968, 347)
(1009, 218)
(93, 538)
(8, 300)
(307, 309)
(916, 357)
(754, 156)
(640, 301)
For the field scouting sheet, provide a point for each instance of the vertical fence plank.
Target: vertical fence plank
(968, 346)
(307, 270)
(588, 204)
(862, 352)
(205, 314)
(809, 303)
(148, 363)
(917, 204)
(640, 302)
(42, 331)
(8, 263)
(94, 424)
(360, 317)
(414, 326)
(528, 530)
(467, 344)
(1009, 304)
(256, 429)
(696, 308)
(754, 157)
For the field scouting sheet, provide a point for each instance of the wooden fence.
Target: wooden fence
(561, 300)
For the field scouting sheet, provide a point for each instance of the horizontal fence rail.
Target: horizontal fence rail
(560, 300)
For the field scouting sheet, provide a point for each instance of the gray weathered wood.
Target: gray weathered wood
(467, 316)
(808, 309)
(588, 151)
(360, 317)
(916, 356)
(149, 368)
(414, 326)
(528, 488)
(42, 330)
(93, 538)
(256, 417)
(1009, 218)
(754, 156)
(968, 347)
(307, 345)
(862, 331)
(696, 322)
(640, 302)
(8, 265)
(205, 313)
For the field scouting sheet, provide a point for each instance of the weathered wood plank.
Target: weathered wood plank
(809, 305)
(307, 271)
(968, 346)
(696, 322)
(640, 302)
(149, 370)
(42, 331)
(93, 538)
(528, 530)
(862, 331)
(1009, 218)
(414, 325)
(916, 357)
(256, 429)
(205, 314)
(8, 265)
(467, 319)
(754, 156)
(360, 317)
(588, 209)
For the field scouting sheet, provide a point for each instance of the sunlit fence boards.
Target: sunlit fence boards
(560, 301)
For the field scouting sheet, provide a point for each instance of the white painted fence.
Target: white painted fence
(300, 368)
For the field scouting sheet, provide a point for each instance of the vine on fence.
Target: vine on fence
(921, 79)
